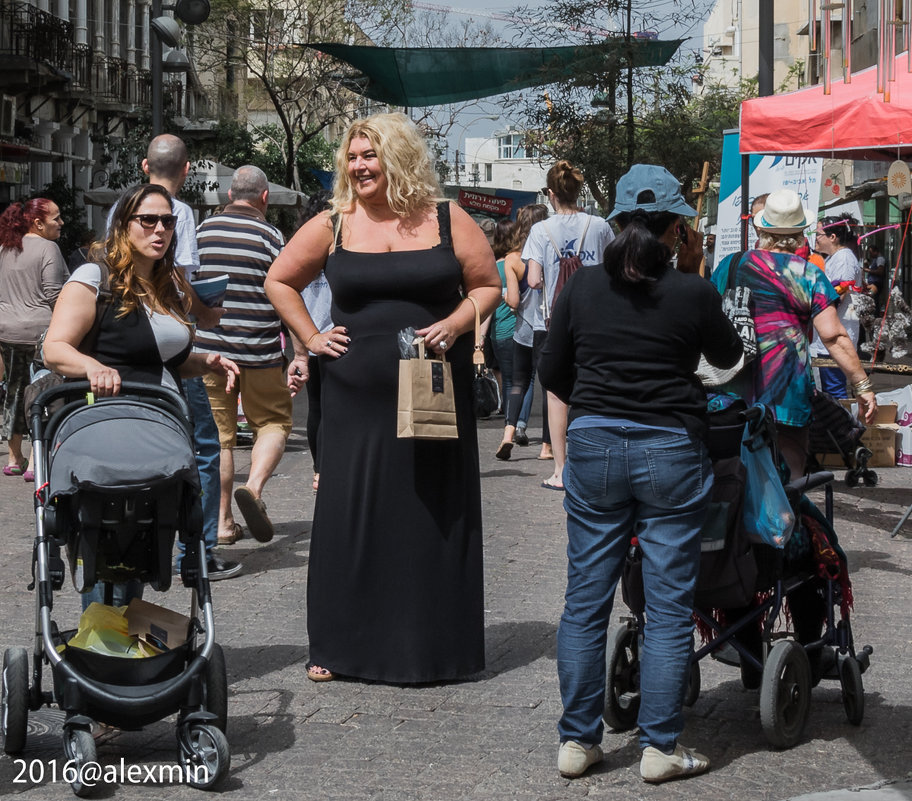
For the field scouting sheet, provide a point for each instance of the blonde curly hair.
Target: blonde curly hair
(404, 158)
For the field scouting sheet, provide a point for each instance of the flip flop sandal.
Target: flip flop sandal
(15, 469)
(504, 451)
(317, 673)
(237, 533)
(254, 511)
(546, 485)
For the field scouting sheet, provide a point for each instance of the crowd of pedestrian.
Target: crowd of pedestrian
(613, 329)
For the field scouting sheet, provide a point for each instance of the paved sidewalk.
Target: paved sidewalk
(494, 738)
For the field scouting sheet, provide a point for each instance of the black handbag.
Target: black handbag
(485, 389)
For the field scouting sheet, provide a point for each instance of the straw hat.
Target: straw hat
(783, 214)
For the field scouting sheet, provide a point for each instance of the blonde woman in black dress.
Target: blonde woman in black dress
(395, 573)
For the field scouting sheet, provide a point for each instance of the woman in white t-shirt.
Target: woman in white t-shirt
(567, 232)
(836, 239)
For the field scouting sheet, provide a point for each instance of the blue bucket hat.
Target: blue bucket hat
(663, 188)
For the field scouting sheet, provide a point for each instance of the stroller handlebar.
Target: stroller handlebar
(71, 390)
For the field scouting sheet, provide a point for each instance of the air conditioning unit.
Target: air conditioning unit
(7, 116)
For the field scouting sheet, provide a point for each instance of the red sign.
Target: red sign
(483, 202)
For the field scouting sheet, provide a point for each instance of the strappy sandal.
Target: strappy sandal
(317, 673)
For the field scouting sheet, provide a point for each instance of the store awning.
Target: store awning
(854, 121)
(428, 76)
(217, 180)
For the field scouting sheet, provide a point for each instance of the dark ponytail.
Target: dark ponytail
(843, 228)
(637, 255)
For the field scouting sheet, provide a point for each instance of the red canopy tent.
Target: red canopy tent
(853, 121)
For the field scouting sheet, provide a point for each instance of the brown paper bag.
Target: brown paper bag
(427, 405)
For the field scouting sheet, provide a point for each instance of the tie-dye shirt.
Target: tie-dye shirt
(788, 292)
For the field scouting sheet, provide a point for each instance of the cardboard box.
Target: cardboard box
(902, 397)
(881, 439)
(885, 414)
(161, 628)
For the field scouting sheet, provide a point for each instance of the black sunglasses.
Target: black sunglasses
(149, 221)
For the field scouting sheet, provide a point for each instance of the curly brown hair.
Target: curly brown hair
(166, 291)
(526, 217)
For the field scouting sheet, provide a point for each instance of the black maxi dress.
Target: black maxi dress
(395, 582)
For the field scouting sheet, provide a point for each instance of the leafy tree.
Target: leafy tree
(611, 115)
(255, 52)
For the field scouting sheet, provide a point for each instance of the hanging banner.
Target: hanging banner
(482, 202)
(767, 174)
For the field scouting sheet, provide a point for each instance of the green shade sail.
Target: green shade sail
(428, 76)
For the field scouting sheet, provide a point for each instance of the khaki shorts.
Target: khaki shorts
(267, 402)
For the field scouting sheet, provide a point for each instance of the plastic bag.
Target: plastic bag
(103, 630)
(768, 516)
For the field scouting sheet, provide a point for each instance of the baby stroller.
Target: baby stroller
(751, 581)
(116, 478)
(834, 429)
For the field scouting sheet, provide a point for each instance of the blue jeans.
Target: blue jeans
(123, 593)
(503, 352)
(833, 380)
(208, 451)
(624, 482)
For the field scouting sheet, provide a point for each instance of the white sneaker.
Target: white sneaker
(574, 759)
(657, 767)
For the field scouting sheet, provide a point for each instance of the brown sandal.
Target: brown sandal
(237, 533)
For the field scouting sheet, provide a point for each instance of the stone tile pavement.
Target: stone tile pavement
(493, 738)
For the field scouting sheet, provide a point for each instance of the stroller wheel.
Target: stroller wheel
(870, 478)
(852, 688)
(215, 686)
(622, 693)
(80, 749)
(14, 701)
(851, 479)
(204, 754)
(785, 694)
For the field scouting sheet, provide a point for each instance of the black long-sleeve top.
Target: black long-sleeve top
(630, 351)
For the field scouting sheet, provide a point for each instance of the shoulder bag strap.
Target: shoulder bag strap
(733, 269)
(478, 358)
(579, 247)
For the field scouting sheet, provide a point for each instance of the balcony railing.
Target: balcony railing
(42, 37)
(30, 32)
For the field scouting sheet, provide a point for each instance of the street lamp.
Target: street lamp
(166, 31)
(462, 130)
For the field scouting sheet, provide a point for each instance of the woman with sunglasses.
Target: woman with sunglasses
(144, 334)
